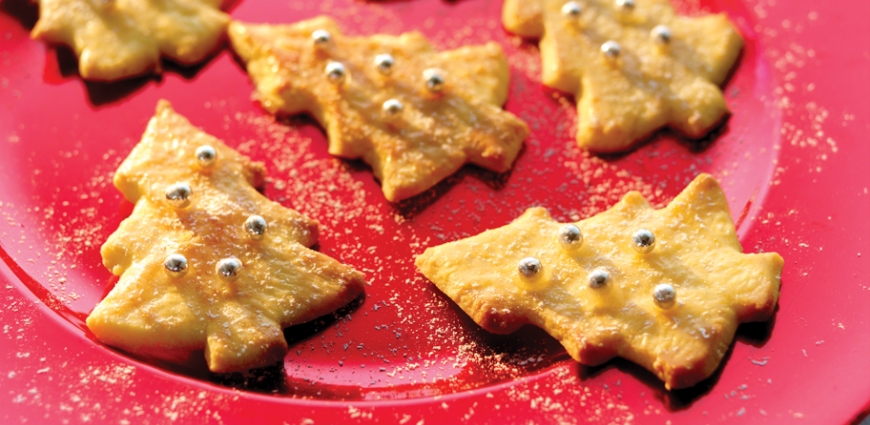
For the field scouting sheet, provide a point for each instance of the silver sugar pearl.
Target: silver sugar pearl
(336, 72)
(665, 296)
(572, 9)
(598, 278)
(662, 34)
(529, 267)
(256, 227)
(435, 79)
(175, 265)
(321, 38)
(610, 49)
(384, 62)
(228, 268)
(392, 107)
(206, 155)
(625, 4)
(570, 237)
(643, 241)
(178, 195)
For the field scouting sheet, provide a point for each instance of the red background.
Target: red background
(792, 159)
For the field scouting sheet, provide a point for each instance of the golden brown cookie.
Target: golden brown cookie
(663, 288)
(116, 39)
(633, 66)
(207, 262)
(414, 114)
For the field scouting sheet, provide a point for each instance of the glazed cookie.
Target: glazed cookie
(663, 288)
(207, 262)
(632, 66)
(414, 114)
(116, 39)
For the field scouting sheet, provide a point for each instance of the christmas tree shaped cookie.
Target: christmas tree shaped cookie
(663, 288)
(414, 114)
(115, 39)
(633, 66)
(207, 262)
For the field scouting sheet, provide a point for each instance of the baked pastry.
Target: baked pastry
(414, 114)
(632, 66)
(207, 262)
(116, 39)
(663, 288)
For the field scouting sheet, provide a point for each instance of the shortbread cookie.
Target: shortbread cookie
(414, 114)
(633, 66)
(207, 262)
(116, 39)
(663, 288)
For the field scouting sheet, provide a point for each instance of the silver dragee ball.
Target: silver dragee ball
(256, 227)
(178, 195)
(229, 268)
(206, 155)
(175, 265)
(321, 38)
(665, 296)
(662, 34)
(598, 278)
(392, 107)
(611, 49)
(571, 9)
(435, 79)
(570, 237)
(529, 267)
(336, 72)
(625, 4)
(643, 241)
(384, 62)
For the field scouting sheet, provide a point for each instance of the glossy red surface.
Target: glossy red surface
(792, 160)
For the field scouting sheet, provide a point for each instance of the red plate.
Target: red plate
(792, 159)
